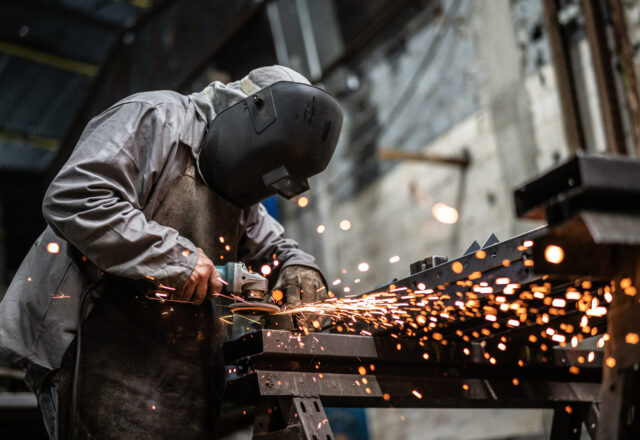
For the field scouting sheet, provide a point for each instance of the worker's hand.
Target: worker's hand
(204, 279)
(301, 284)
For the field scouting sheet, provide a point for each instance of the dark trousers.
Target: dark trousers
(148, 370)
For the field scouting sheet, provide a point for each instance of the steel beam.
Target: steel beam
(398, 391)
(583, 182)
(592, 203)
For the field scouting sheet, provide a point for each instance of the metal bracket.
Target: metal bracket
(291, 418)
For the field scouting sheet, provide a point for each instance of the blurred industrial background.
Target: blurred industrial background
(449, 105)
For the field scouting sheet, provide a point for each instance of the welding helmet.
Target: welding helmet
(270, 142)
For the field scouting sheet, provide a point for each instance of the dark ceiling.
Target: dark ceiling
(64, 61)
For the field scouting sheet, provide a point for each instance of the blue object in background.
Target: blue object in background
(348, 423)
(272, 207)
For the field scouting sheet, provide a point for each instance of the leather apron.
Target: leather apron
(151, 369)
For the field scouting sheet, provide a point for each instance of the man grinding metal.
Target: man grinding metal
(159, 188)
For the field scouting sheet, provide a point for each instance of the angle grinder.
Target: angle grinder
(249, 286)
(238, 282)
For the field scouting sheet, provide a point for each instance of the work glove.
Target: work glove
(301, 284)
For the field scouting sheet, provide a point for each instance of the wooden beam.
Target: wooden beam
(573, 129)
(601, 56)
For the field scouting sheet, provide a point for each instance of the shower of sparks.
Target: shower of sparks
(492, 303)
(561, 315)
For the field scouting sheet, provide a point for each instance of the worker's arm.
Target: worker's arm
(299, 279)
(96, 200)
(264, 237)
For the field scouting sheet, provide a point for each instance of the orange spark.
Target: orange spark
(53, 247)
(303, 201)
(554, 254)
(444, 213)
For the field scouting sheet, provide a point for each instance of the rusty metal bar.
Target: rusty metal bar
(596, 26)
(573, 128)
(390, 154)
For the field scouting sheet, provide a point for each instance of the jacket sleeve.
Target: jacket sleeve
(263, 237)
(96, 200)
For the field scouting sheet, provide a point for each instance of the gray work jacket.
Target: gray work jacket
(99, 208)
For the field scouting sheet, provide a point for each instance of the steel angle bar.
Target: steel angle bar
(278, 349)
(353, 390)
(494, 257)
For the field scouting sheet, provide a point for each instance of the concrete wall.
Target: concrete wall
(491, 91)
(512, 131)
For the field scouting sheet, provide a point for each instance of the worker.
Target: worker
(159, 188)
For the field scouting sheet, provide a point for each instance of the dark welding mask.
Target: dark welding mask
(270, 143)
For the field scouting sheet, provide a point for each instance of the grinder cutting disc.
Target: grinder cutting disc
(253, 308)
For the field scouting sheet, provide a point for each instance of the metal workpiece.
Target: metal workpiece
(592, 204)
(583, 183)
(349, 390)
(495, 256)
(329, 352)
(291, 418)
(278, 370)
